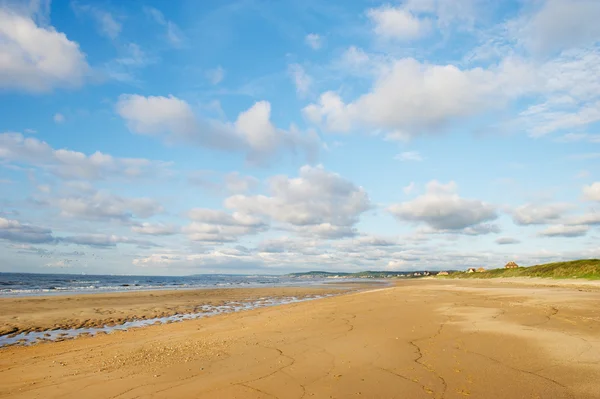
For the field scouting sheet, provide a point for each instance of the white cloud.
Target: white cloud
(411, 98)
(397, 23)
(106, 206)
(314, 41)
(155, 115)
(547, 121)
(409, 156)
(216, 75)
(588, 219)
(409, 189)
(14, 147)
(107, 24)
(173, 33)
(252, 132)
(317, 202)
(37, 59)
(560, 24)
(155, 229)
(569, 85)
(235, 183)
(592, 192)
(302, 80)
(59, 118)
(530, 214)
(214, 226)
(562, 230)
(124, 67)
(441, 209)
(105, 240)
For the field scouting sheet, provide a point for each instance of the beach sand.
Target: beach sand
(419, 339)
(40, 313)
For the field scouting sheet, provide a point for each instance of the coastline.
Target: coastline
(418, 339)
(102, 312)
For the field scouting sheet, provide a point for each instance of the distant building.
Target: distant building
(480, 270)
(471, 270)
(417, 274)
(511, 265)
(442, 274)
(426, 274)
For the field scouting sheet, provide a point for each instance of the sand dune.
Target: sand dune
(421, 339)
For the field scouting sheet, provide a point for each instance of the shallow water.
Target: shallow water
(207, 311)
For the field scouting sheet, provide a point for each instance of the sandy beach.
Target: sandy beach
(419, 339)
(41, 313)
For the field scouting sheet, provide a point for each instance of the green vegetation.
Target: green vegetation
(586, 269)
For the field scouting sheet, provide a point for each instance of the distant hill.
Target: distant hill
(586, 268)
(365, 274)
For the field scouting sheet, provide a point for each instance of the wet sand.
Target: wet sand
(421, 339)
(41, 313)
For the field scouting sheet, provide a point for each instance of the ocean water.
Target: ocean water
(16, 284)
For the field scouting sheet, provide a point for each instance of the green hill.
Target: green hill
(586, 268)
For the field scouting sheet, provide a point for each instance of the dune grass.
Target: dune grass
(585, 269)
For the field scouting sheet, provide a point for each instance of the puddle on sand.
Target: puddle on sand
(207, 311)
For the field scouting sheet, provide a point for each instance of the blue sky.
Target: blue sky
(174, 138)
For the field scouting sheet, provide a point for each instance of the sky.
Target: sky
(252, 136)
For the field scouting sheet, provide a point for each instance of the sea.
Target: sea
(20, 284)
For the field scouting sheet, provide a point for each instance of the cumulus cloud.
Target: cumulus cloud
(562, 230)
(252, 132)
(59, 118)
(397, 23)
(530, 214)
(37, 59)
(106, 206)
(592, 192)
(410, 98)
(215, 226)
(316, 202)
(442, 209)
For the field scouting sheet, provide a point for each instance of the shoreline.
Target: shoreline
(60, 316)
(419, 339)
